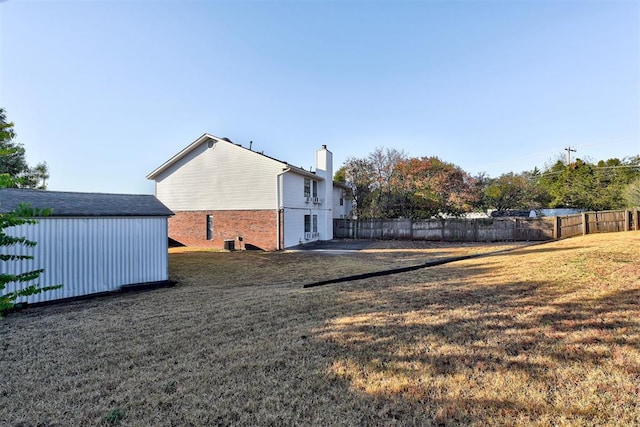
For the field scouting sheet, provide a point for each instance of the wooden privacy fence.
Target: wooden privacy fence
(459, 230)
(596, 222)
(488, 229)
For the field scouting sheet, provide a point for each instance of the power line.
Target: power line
(610, 143)
(595, 168)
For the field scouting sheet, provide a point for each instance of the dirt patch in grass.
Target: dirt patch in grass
(547, 334)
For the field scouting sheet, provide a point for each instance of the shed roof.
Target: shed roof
(83, 204)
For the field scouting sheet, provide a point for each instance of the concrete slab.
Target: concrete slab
(333, 246)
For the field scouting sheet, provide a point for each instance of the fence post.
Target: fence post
(636, 221)
(475, 229)
(410, 228)
(585, 223)
(627, 220)
(557, 223)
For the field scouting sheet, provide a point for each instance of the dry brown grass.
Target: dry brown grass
(547, 334)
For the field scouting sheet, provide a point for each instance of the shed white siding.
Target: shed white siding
(91, 254)
(221, 177)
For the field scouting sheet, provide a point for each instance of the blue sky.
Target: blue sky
(105, 92)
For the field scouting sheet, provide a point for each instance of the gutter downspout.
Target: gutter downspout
(280, 207)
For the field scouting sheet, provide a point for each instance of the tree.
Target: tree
(356, 176)
(590, 186)
(514, 191)
(383, 168)
(632, 194)
(19, 216)
(13, 161)
(23, 214)
(429, 187)
(370, 181)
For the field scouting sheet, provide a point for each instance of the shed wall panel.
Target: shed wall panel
(90, 255)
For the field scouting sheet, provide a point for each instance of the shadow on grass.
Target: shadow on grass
(433, 260)
(512, 353)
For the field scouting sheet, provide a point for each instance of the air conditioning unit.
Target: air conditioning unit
(307, 236)
(315, 235)
(308, 199)
(316, 200)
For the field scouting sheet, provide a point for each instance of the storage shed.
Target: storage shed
(91, 243)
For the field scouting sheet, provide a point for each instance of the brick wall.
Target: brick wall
(256, 227)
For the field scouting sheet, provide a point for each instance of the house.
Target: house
(227, 196)
(91, 243)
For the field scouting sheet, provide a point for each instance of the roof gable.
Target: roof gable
(208, 139)
(83, 204)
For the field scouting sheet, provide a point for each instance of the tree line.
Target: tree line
(390, 184)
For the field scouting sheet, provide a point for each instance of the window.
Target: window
(307, 187)
(315, 223)
(315, 188)
(209, 227)
(341, 198)
(307, 223)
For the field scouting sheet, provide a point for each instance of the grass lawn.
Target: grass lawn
(543, 335)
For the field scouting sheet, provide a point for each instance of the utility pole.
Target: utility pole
(569, 150)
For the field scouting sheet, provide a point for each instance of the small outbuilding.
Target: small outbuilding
(92, 243)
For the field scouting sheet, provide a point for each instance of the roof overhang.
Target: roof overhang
(302, 172)
(341, 185)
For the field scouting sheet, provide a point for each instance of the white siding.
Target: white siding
(296, 207)
(223, 177)
(293, 227)
(293, 196)
(345, 209)
(91, 255)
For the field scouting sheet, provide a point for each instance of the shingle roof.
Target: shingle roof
(84, 204)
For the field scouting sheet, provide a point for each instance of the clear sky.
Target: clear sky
(105, 92)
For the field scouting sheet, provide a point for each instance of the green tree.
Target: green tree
(590, 186)
(13, 161)
(23, 214)
(18, 217)
(514, 191)
(632, 194)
